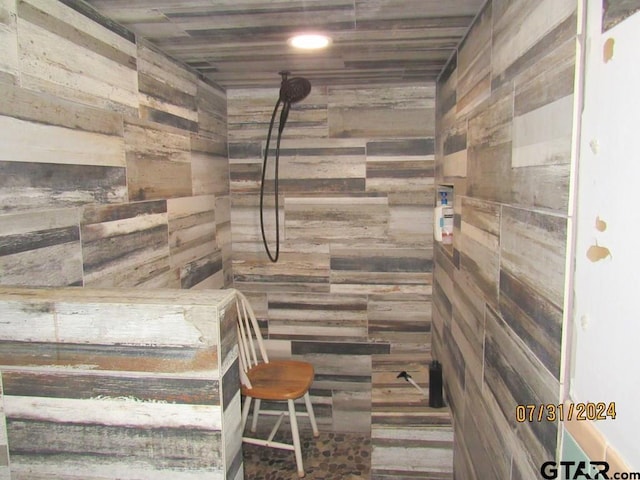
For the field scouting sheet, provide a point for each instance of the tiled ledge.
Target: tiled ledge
(409, 439)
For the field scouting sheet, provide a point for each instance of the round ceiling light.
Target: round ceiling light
(309, 41)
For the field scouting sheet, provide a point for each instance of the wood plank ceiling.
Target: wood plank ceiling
(243, 43)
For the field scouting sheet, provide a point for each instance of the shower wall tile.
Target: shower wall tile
(37, 382)
(356, 190)
(158, 161)
(249, 114)
(381, 269)
(114, 173)
(53, 249)
(339, 219)
(615, 12)
(28, 186)
(167, 91)
(393, 112)
(192, 228)
(338, 348)
(332, 369)
(408, 438)
(504, 127)
(65, 54)
(489, 149)
(552, 81)
(404, 147)
(404, 323)
(116, 238)
(223, 235)
(193, 241)
(316, 160)
(411, 217)
(542, 130)
(342, 388)
(57, 153)
(527, 63)
(462, 465)
(378, 122)
(145, 397)
(522, 27)
(50, 124)
(300, 267)
(443, 291)
(454, 371)
(317, 317)
(212, 114)
(5, 473)
(527, 237)
(513, 376)
(398, 175)
(351, 412)
(453, 165)
(478, 419)
(531, 292)
(474, 64)
(209, 166)
(401, 165)
(9, 41)
(204, 273)
(419, 96)
(535, 145)
(97, 131)
(467, 326)
(446, 95)
(479, 246)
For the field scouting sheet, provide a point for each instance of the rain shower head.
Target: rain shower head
(293, 89)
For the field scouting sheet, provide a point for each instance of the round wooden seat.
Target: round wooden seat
(279, 380)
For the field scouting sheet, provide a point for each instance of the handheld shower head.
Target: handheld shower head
(294, 89)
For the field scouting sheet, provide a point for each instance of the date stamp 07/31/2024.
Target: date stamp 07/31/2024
(551, 412)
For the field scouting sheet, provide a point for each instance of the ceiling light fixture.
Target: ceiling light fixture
(309, 41)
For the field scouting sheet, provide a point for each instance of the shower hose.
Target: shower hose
(273, 258)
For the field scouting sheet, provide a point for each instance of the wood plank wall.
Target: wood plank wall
(118, 383)
(356, 200)
(113, 158)
(505, 106)
(615, 12)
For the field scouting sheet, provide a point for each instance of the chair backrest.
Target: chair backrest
(250, 344)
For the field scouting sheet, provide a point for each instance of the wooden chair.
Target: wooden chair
(277, 380)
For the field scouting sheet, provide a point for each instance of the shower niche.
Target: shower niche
(443, 216)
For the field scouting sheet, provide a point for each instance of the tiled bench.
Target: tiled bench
(409, 439)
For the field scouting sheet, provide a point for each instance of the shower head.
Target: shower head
(293, 89)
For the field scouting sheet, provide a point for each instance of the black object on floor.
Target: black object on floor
(435, 385)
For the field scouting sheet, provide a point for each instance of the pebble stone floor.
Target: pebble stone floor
(331, 456)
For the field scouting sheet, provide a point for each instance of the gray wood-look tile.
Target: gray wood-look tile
(499, 292)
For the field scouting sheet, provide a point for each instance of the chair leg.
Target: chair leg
(245, 411)
(296, 437)
(312, 417)
(256, 413)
